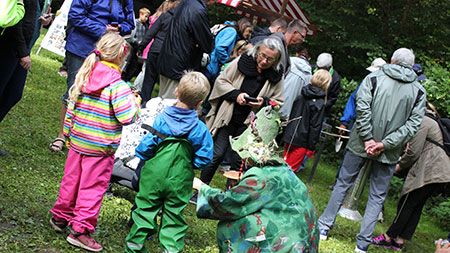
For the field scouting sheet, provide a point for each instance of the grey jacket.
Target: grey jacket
(427, 162)
(391, 113)
(299, 75)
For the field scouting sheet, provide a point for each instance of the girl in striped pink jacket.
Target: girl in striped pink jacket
(100, 104)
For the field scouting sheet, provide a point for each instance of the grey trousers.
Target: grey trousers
(167, 87)
(380, 177)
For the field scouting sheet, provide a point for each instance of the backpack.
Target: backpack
(444, 125)
(217, 28)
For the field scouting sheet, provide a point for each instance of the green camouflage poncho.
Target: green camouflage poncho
(268, 211)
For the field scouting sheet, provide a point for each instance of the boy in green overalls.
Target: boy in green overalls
(178, 143)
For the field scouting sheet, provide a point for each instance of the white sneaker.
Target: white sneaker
(323, 235)
(358, 250)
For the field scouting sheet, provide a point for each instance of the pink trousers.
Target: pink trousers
(81, 192)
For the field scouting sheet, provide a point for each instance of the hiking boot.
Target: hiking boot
(58, 226)
(381, 241)
(84, 241)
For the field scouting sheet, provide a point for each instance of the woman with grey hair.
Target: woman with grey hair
(246, 85)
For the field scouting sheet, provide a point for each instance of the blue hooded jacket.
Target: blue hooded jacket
(88, 19)
(349, 115)
(182, 123)
(223, 45)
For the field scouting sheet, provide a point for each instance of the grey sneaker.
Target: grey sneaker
(58, 226)
(193, 199)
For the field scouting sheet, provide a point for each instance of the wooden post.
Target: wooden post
(283, 7)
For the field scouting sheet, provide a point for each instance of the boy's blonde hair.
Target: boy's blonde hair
(144, 11)
(111, 48)
(321, 79)
(192, 89)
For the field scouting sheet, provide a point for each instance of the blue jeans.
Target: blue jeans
(380, 177)
(74, 63)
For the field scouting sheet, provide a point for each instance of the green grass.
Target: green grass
(30, 178)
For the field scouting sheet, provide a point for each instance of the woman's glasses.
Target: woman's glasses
(267, 58)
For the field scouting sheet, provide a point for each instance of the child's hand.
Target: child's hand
(197, 183)
(137, 98)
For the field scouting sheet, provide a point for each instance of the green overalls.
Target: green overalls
(165, 183)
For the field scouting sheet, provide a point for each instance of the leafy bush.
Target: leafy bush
(396, 187)
(438, 85)
(441, 212)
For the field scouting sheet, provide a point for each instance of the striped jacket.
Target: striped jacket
(93, 125)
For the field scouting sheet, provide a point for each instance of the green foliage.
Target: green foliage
(396, 187)
(219, 13)
(354, 31)
(438, 85)
(441, 212)
(347, 88)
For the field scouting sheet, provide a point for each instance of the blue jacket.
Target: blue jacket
(349, 115)
(183, 123)
(88, 19)
(223, 45)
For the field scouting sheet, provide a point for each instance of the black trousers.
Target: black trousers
(133, 66)
(12, 80)
(150, 77)
(221, 147)
(409, 210)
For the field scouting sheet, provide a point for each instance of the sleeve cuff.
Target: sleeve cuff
(232, 95)
(386, 145)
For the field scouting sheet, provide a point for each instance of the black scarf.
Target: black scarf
(247, 66)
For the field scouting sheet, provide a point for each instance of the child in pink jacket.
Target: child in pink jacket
(100, 103)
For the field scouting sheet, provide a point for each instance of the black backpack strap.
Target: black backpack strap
(373, 80)
(153, 131)
(435, 143)
(419, 95)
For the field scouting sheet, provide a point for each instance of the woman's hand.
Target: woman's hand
(397, 168)
(442, 248)
(257, 104)
(115, 29)
(241, 98)
(25, 62)
(197, 183)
